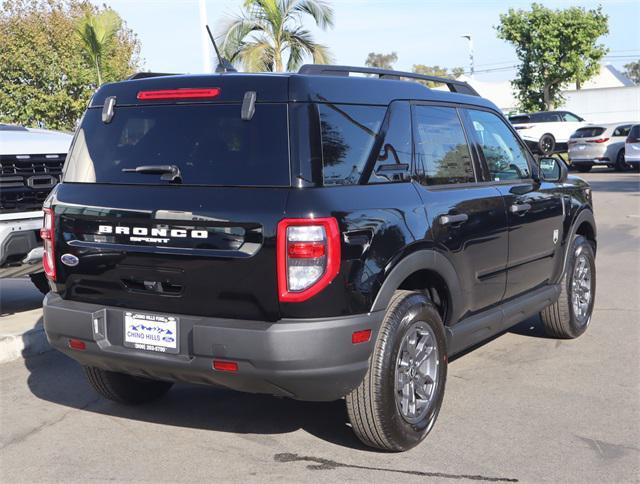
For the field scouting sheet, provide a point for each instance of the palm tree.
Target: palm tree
(97, 32)
(267, 31)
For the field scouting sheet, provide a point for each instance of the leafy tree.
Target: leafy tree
(632, 71)
(437, 71)
(554, 47)
(382, 61)
(97, 33)
(266, 31)
(45, 76)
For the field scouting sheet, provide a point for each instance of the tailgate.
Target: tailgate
(195, 250)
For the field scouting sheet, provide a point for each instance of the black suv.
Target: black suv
(312, 235)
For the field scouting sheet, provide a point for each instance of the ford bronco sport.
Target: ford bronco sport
(312, 235)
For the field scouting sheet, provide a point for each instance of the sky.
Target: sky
(419, 31)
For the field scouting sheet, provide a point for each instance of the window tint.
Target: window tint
(209, 143)
(348, 136)
(570, 118)
(505, 156)
(635, 131)
(622, 130)
(395, 148)
(442, 153)
(587, 132)
(545, 117)
(519, 119)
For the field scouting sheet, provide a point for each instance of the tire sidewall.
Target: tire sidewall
(540, 144)
(580, 246)
(416, 307)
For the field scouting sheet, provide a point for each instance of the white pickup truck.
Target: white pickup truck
(31, 163)
(547, 132)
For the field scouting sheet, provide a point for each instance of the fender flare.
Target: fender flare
(585, 215)
(420, 260)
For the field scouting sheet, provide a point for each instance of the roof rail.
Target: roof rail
(330, 70)
(144, 75)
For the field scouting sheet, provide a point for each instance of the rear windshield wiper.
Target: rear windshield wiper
(170, 173)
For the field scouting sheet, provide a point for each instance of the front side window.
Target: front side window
(504, 155)
(349, 134)
(442, 152)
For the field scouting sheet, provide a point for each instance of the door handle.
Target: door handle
(520, 207)
(453, 219)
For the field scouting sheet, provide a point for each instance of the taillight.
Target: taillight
(599, 140)
(632, 139)
(47, 235)
(185, 93)
(308, 257)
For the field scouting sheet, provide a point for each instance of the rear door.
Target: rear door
(468, 219)
(194, 244)
(535, 210)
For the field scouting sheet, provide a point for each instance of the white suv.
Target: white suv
(31, 163)
(547, 132)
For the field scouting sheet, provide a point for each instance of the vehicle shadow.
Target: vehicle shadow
(18, 295)
(58, 379)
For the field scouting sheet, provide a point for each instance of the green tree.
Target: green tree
(266, 31)
(632, 71)
(45, 76)
(381, 61)
(437, 71)
(98, 32)
(554, 47)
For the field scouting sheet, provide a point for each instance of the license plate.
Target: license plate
(582, 147)
(151, 332)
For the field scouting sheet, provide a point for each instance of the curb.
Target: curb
(23, 345)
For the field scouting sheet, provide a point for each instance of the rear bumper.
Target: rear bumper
(310, 359)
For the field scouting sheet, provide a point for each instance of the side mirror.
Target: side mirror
(553, 169)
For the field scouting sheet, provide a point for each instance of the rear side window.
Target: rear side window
(587, 132)
(442, 153)
(209, 143)
(622, 130)
(635, 131)
(519, 119)
(349, 134)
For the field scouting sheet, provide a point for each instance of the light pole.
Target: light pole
(207, 65)
(470, 39)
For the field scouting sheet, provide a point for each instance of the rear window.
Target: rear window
(209, 143)
(588, 132)
(622, 130)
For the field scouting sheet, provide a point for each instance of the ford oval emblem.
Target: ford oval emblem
(69, 260)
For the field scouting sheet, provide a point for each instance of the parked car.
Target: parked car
(632, 147)
(599, 144)
(547, 132)
(31, 164)
(310, 235)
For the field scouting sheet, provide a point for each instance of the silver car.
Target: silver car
(599, 144)
(632, 147)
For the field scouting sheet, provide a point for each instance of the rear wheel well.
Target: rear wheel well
(431, 283)
(586, 230)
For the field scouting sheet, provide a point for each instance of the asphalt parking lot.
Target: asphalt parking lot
(519, 408)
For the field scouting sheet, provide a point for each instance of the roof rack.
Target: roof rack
(144, 75)
(330, 70)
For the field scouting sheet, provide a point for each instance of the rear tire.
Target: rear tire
(397, 403)
(570, 315)
(126, 389)
(583, 168)
(39, 279)
(547, 144)
(620, 163)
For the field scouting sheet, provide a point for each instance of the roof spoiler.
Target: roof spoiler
(144, 75)
(459, 87)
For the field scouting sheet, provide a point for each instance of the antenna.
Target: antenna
(223, 64)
